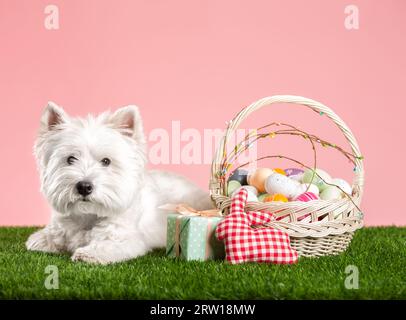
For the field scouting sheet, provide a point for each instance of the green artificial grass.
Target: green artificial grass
(378, 253)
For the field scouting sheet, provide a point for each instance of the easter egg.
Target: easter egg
(278, 183)
(232, 186)
(309, 187)
(257, 178)
(310, 177)
(239, 175)
(295, 174)
(330, 193)
(252, 193)
(293, 171)
(252, 197)
(251, 189)
(276, 197)
(344, 185)
(262, 196)
(279, 170)
(307, 196)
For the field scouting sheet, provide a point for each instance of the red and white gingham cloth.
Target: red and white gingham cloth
(244, 244)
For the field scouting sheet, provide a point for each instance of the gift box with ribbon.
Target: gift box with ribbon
(191, 233)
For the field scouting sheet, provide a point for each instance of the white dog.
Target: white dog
(105, 203)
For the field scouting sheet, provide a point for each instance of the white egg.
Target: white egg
(252, 197)
(251, 189)
(330, 193)
(312, 188)
(343, 185)
(278, 183)
(252, 193)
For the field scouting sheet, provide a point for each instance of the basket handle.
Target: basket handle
(358, 182)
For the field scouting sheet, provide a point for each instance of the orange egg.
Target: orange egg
(276, 197)
(258, 177)
(279, 170)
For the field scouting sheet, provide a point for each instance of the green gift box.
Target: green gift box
(193, 237)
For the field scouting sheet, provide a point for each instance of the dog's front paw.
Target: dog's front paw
(85, 254)
(39, 241)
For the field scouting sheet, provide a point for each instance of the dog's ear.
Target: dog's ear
(52, 116)
(128, 121)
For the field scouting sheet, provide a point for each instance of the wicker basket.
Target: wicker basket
(333, 222)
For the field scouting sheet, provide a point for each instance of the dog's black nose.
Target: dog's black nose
(84, 188)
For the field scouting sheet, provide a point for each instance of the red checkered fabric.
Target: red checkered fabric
(244, 243)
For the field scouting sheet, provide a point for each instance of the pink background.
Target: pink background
(200, 62)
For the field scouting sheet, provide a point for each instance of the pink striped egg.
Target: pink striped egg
(307, 196)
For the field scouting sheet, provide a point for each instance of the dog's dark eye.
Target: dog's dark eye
(71, 160)
(106, 162)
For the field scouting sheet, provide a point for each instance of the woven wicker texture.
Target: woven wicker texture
(328, 225)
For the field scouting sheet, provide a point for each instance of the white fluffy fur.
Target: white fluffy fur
(120, 219)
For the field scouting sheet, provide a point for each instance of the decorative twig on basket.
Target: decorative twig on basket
(292, 130)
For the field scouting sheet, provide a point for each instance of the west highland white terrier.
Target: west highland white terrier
(104, 201)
